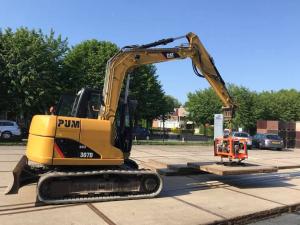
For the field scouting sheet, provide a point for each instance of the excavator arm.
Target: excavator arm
(132, 56)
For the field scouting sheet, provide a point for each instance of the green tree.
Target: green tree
(87, 62)
(281, 105)
(202, 105)
(147, 90)
(288, 104)
(171, 102)
(31, 70)
(251, 106)
(245, 116)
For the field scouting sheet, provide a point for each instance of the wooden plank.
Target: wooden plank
(223, 170)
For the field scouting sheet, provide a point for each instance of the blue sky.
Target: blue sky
(254, 43)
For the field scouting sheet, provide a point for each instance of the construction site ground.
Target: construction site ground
(187, 198)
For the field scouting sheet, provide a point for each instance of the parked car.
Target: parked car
(9, 130)
(140, 133)
(244, 136)
(271, 141)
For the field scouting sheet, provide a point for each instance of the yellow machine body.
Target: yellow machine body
(84, 139)
(59, 140)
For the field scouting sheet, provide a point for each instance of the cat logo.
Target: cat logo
(171, 55)
(68, 123)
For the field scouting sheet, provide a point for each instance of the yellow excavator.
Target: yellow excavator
(81, 152)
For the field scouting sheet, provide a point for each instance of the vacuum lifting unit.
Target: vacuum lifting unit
(231, 148)
(83, 149)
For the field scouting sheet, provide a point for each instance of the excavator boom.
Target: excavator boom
(133, 56)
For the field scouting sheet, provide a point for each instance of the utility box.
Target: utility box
(218, 125)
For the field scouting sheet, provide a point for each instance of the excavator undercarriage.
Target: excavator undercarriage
(59, 185)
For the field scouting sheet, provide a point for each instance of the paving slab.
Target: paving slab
(180, 184)
(11, 151)
(168, 172)
(223, 170)
(279, 163)
(22, 208)
(187, 186)
(178, 170)
(226, 203)
(63, 214)
(9, 157)
(7, 166)
(5, 178)
(271, 192)
(27, 194)
(164, 211)
(295, 183)
(140, 154)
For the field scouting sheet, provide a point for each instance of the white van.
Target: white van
(9, 130)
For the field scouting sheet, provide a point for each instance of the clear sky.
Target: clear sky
(254, 43)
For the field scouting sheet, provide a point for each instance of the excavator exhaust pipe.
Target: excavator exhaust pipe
(14, 186)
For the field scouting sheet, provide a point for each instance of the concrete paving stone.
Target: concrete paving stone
(7, 166)
(295, 184)
(141, 154)
(254, 180)
(168, 172)
(183, 168)
(27, 194)
(226, 203)
(179, 183)
(203, 158)
(290, 160)
(61, 214)
(5, 178)
(11, 152)
(270, 190)
(281, 164)
(170, 161)
(12, 147)
(21, 209)
(166, 154)
(153, 165)
(164, 211)
(182, 185)
(9, 158)
(2, 190)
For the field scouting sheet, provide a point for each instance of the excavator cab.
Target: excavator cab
(85, 104)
